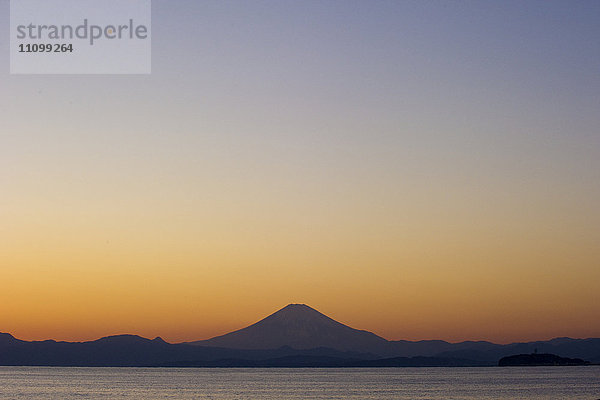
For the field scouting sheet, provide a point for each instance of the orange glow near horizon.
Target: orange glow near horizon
(155, 274)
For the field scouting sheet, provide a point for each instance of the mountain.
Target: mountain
(295, 336)
(300, 327)
(7, 338)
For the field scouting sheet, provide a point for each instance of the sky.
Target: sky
(419, 169)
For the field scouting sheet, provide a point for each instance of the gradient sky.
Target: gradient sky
(419, 169)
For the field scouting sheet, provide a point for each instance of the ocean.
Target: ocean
(489, 383)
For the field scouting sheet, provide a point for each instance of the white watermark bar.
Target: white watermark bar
(80, 37)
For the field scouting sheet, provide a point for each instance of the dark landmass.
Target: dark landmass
(535, 359)
(308, 361)
(295, 336)
(135, 351)
(301, 327)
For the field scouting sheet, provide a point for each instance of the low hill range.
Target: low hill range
(295, 336)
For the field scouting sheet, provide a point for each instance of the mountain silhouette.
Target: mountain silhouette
(300, 327)
(136, 351)
(295, 336)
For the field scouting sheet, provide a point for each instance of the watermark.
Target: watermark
(80, 36)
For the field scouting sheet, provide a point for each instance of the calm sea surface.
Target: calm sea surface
(368, 383)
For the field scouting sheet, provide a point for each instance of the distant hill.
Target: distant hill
(135, 351)
(588, 349)
(535, 359)
(295, 336)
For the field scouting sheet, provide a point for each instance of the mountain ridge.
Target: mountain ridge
(297, 334)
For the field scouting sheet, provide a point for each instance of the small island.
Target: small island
(533, 360)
